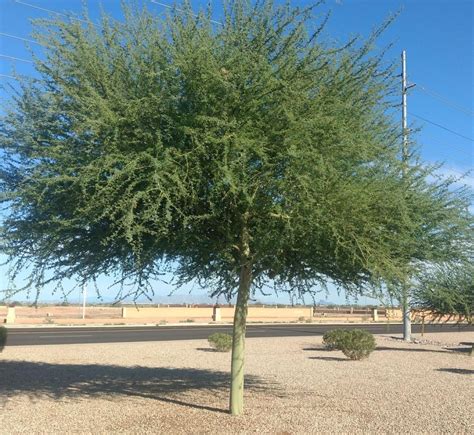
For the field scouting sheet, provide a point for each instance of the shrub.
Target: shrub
(356, 344)
(220, 342)
(332, 338)
(3, 337)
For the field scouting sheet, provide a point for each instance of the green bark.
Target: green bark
(238, 343)
(406, 310)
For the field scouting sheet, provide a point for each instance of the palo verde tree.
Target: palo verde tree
(240, 155)
(436, 231)
(448, 290)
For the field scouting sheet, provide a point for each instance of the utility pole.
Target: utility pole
(84, 297)
(405, 157)
(404, 111)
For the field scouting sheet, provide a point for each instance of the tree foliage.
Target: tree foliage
(148, 143)
(448, 291)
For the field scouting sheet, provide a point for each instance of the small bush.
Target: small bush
(356, 344)
(3, 337)
(332, 338)
(220, 342)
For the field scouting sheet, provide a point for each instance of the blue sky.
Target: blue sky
(438, 36)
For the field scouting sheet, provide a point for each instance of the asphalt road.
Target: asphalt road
(74, 335)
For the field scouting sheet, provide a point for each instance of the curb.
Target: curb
(185, 325)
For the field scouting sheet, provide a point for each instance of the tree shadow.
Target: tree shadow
(329, 358)
(385, 348)
(412, 349)
(165, 384)
(457, 371)
(466, 350)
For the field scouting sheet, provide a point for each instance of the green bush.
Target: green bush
(356, 344)
(331, 338)
(3, 337)
(220, 342)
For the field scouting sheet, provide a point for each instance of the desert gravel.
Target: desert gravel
(293, 387)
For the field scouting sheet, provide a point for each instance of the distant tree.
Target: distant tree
(436, 233)
(241, 156)
(448, 291)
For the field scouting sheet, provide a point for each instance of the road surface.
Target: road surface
(75, 335)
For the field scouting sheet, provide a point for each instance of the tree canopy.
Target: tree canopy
(240, 155)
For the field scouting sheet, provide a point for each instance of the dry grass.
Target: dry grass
(293, 386)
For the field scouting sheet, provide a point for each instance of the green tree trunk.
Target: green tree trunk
(238, 343)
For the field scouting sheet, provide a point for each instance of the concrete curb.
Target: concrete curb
(186, 325)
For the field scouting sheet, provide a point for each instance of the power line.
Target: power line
(16, 58)
(442, 126)
(18, 77)
(8, 77)
(463, 150)
(88, 22)
(446, 100)
(20, 38)
(50, 11)
(64, 15)
(180, 10)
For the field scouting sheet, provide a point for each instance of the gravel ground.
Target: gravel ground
(293, 386)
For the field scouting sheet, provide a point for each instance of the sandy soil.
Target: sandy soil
(293, 386)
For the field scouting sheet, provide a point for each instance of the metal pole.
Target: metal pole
(405, 157)
(84, 297)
